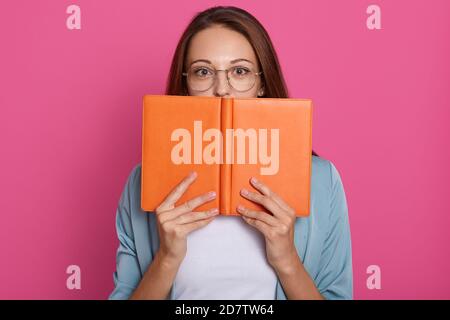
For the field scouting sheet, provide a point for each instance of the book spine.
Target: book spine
(226, 122)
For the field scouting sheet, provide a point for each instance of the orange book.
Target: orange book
(226, 141)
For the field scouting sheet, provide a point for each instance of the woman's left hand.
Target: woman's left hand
(277, 228)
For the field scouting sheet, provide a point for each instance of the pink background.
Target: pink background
(70, 130)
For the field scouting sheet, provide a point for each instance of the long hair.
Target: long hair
(241, 21)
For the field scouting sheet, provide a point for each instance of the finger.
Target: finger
(259, 215)
(265, 201)
(263, 227)
(176, 193)
(189, 227)
(196, 216)
(265, 190)
(188, 206)
(283, 204)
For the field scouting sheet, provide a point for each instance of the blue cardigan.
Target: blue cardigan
(322, 240)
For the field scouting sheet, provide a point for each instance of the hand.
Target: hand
(175, 223)
(276, 226)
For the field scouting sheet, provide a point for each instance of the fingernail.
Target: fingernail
(240, 208)
(193, 174)
(211, 194)
(244, 191)
(214, 211)
(254, 180)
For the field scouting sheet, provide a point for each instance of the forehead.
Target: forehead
(219, 45)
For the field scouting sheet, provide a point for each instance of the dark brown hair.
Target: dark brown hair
(239, 20)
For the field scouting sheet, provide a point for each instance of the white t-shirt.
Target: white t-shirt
(225, 259)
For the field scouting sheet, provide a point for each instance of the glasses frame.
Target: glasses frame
(228, 79)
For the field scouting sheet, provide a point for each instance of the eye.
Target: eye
(202, 72)
(240, 71)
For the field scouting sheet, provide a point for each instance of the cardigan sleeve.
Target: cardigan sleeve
(127, 275)
(335, 277)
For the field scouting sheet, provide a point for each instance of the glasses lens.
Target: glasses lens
(200, 78)
(241, 78)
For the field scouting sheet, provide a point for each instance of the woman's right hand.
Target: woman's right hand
(175, 223)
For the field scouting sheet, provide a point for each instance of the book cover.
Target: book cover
(226, 141)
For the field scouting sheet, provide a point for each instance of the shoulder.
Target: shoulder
(135, 175)
(133, 182)
(327, 187)
(324, 173)
(320, 168)
(130, 198)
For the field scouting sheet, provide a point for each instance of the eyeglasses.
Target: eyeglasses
(201, 78)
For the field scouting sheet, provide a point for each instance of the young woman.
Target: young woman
(179, 253)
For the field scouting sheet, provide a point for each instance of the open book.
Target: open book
(226, 141)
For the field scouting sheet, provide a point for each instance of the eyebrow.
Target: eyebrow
(209, 62)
